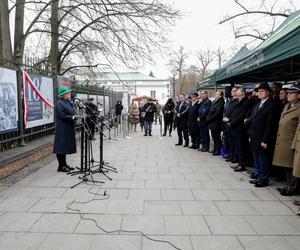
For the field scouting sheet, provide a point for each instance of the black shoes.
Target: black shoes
(170, 135)
(63, 169)
(145, 135)
(69, 167)
(253, 181)
(262, 184)
(178, 144)
(185, 145)
(164, 134)
(204, 150)
(253, 176)
(239, 169)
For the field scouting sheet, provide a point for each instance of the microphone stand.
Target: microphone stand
(85, 155)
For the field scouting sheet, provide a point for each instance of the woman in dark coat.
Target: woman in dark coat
(168, 111)
(214, 121)
(64, 142)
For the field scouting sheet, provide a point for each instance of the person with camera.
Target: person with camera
(64, 141)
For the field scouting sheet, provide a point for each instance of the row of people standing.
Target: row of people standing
(250, 124)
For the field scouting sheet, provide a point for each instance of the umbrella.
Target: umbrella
(139, 98)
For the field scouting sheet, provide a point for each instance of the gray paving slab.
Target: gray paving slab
(229, 225)
(265, 243)
(216, 243)
(21, 241)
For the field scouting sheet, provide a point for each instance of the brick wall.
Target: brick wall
(16, 165)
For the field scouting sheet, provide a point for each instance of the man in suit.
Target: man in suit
(229, 142)
(214, 121)
(262, 133)
(182, 114)
(239, 132)
(192, 122)
(204, 107)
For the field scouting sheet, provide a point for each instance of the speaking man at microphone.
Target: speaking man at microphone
(64, 142)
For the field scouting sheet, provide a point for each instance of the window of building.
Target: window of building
(153, 93)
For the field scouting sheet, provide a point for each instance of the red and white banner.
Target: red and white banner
(38, 94)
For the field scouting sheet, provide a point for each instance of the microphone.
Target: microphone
(79, 103)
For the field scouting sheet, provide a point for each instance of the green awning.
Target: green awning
(277, 58)
(206, 83)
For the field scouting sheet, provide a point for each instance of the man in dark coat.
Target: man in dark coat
(239, 132)
(92, 114)
(263, 133)
(150, 109)
(182, 115)
(214, 121)
(192, 122)
(64, 142)
(168, 112)
(119, 108)
(229, 143)
(203, 110)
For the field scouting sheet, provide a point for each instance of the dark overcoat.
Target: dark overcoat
(238, 116)
(215, 115)
(150, 109)
(64, 142)
(193, 115)
(263, 125)
(182, 121)
(204, 108)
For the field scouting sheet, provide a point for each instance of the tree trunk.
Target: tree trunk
(6, 49)
(54, 38)
(19, 41)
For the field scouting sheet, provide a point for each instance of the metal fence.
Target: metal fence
(24, 135)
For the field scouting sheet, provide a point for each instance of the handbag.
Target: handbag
(143, 114)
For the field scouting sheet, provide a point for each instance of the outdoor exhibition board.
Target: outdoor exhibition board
(38, 99)
(8, 101)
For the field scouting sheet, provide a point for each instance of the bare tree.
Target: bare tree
(221, 56)
(259, 18)
(206, 58)
(86, 31)
(177, 62)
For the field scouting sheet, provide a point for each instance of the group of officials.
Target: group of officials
(257, 128)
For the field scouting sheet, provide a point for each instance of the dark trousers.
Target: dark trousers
(168, 125)
(61, 160)
(241, 143)
(184, 131)
(195, 139)
(216, 136)
(230, 144)
(261, 164)
(204, 135)
(148, 127)
(91, 127)
(293, 183)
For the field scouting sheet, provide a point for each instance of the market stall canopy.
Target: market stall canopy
(275, 59)
(207, 83)
(143, 97)
(210, 82)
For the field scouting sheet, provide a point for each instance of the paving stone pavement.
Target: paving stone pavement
(175, 194)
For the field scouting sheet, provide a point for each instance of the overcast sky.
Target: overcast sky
(199, 29)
